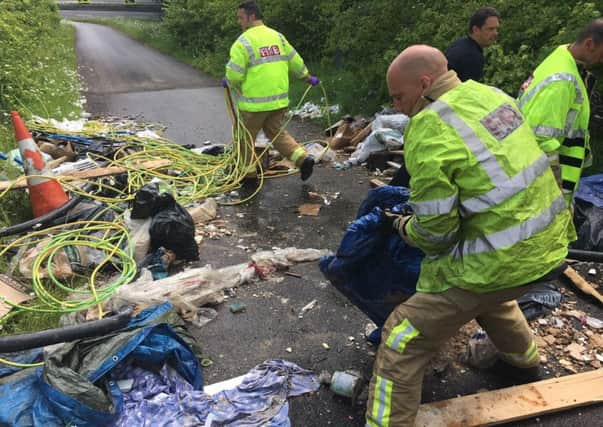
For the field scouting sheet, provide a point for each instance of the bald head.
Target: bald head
(412, 72)
(419, 60)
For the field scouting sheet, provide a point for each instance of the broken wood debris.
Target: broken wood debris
(514, 403)
(13, 291)
(582, 284)
(21, 182)
(309, 209)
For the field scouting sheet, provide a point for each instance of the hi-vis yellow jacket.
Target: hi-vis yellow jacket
(488, 212)
(555, 102)
(260, 62)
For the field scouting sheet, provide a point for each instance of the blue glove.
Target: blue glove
(313, 80)
(224, 82)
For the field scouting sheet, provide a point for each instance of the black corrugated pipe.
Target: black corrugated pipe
(582, 255)
(44, 220)
(95, 328)
(41, 221)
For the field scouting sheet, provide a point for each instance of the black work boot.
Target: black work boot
(516, 374)
(306, 168)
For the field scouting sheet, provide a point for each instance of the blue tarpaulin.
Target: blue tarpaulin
(591, 190)
(165, 399)
(375, 270)
(80, 382)
(74, 388)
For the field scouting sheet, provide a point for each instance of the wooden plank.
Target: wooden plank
(514, 403)
(21, 182)
(582, 284)
(9, 292)
(361, 135)
(376, 183)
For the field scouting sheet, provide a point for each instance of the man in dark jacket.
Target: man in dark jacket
(466, 55)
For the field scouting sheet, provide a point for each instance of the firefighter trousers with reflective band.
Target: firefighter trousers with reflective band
(418, 327)
(272, 123)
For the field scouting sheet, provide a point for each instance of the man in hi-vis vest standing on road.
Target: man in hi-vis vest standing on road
(261, 60)
(555, 102)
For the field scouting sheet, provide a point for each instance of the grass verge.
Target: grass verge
(53, 92)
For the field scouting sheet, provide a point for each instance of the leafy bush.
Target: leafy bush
(37, 76)
(352, 41)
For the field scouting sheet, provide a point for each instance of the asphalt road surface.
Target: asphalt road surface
(125, 78)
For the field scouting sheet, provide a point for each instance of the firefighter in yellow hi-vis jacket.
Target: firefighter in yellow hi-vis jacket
(488, 214)
(261, 60)
(555, 102)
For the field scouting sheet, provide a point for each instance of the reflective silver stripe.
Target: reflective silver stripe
(382, 400)
(247, 46)
(548, 131)
(283, 39)
(401, 335)
(512, 235)
(435, 207)
(302, 73)
(235, 67)
(510, 188)
(569, 124)
(268, 59)
(576, 133)
(550, 79)
(291, 54)
(523, 358)
(483, 155)
(432, 238)
(259, 100)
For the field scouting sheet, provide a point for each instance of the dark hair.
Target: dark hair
(593, 30)
(251, 8)
(478, 19)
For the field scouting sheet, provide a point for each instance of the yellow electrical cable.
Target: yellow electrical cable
(20, 365)
(191, 177)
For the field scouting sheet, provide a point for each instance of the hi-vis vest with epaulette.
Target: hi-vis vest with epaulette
(260, 62)
(555, 102)
(488, 212)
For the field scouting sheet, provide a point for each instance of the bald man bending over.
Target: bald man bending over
(487, 213)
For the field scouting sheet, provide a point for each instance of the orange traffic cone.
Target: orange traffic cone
(46, 194)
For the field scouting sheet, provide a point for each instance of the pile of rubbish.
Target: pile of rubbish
(139, 207)
(126, 240)
(148, 372)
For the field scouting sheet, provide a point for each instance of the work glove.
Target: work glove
(386, 222)
(224, 82)
(313, 80)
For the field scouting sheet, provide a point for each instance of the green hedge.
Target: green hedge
(38, 75)
(37, 62)
(353, 41)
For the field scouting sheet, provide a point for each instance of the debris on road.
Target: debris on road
(237, 307)
(346, 384)
(539, 301)
(306, 308)
(309, 209)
